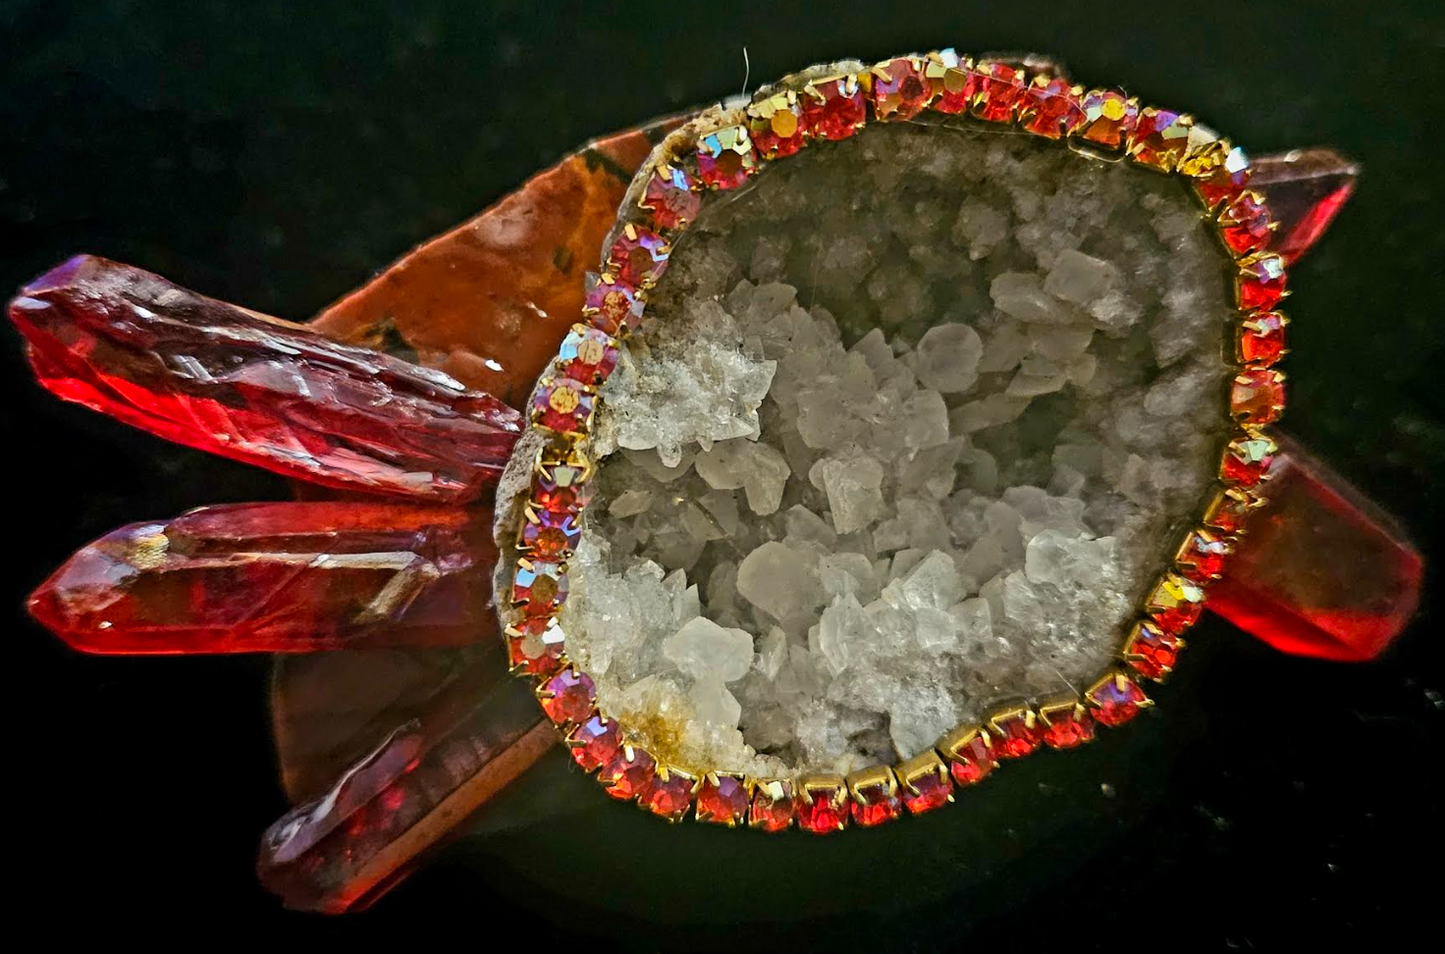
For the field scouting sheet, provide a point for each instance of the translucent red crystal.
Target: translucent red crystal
(669, 794)
(1320, 571)
(1000, 90)
(1017, 734)
(823, 808)
(1115, 700)
(722, 800)
(1151, 652)
(669, 196)
(587, 355)
(1229, 509)
(1051, 108)
(777, 126)
(535, 646)
(629, 774)
(872, 805)
(952, 82)
(638, 257)
(595, 743)
(773, 806)
(928, 791)
(1261, 339)
(559, 487)
(1202, 557)
(1256, 396)
(1109, 118)
(970, 762)
(1261, 282)
(900, 90)
(1305, 188)
(564, 405)
(612, 305)
(1067, 727)
(833, 108)
(1245, 224)
(1175, 604)
(1246, 461)
(568, 696)
(1227, 181)
(256, 389)
(279, 578)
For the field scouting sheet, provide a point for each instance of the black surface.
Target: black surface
(275, 154)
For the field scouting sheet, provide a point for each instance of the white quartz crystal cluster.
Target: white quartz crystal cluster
(908, 432)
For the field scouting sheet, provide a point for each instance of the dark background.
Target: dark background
(276, 154)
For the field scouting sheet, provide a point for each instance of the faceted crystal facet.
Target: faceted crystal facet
(773, 805)
(1246, 461)
(256, 389)
(1109, 118)
(1051, 108)
(669, 196)
(926, 787)
(540, 587)
(612, 305)
(560, 487)
(669, 794)
(549, 534)
(1229, 509)
(629, 774)
(1305, 188)
(278, 577)
(535, 646)
(952, 81)
(1202, 557)
(564, 405)
(834, 108)
(971, 756)
(722, 800)
(1175, 604)
(875, 801)
(900, 90)
(1227, 181)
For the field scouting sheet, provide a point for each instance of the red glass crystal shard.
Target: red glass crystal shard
(1305, 189)
(1320, 571)
(346, 848)
(278, 578)
(210, 375)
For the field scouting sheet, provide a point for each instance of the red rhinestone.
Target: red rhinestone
(1225, 182)
(875, 804)
(1257, 396)
(725, 158)
(595, 743)
(638, 257)
(550, 535)
(1261, 339)
(611, 304)
(1175, 604)
(1001, 87)
(833, 109)
(1116, 700)
(564, 406)
(535, 645)
(1051, 108)
(1150, 652)
(1261, 281)
(1019, 734)
(629, 774)
(669, 797)
(539, 587)
(1247, 460)
(1202, 557)
(927, 792)
(900, 90)
(587, 355)
(1068, 727)
(776, 125)
(560, 488)
(1109, 118)
(669, 196)
(971, 762)
(773, 805)
(1245, 224)
(568, 696)
(823, 809)
(722, 800)
(1160, 139)
(952, 82)
(1229, 511)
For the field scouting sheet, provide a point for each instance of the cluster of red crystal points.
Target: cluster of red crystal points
(779, 123)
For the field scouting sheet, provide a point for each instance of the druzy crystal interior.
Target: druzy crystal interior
(907, 433)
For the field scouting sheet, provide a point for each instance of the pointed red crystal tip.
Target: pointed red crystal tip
(224, 379)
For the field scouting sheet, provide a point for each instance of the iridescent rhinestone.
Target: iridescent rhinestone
(1261, 339)
(1230, 509)
(638, 257)
(629, 774)
(951, 81)
(1256, 396)
(926, 783)
(670, 197)
(550, 534)
(1175, 604)
(773, 805)
(1245, 224)
(833, 108)
(535, 646)
(776, 124)
(564, 406)
(1051, 108)
(669, 794)
(1227, 180)
(1150, 651)
(722, 800)
(1066, 726)
(1116, 699)
(561, 487)
(1160, 139)
(1261, 282)
(539, 587)
(1000, 89)
(1109, 117)
(1201, 558)
(1247, 460)
(971, 754)
(725, 158)
(611, 304)
(822, 804)
(587, 355)
(568, 697)
(900, 90)
(595, 743)
(1018, 732)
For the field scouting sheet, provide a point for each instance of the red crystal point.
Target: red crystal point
(350, 845)
(1319, 571)
(1305, 190)
(230, 381)
(278, 578)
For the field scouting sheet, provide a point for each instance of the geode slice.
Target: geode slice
(910, 427)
